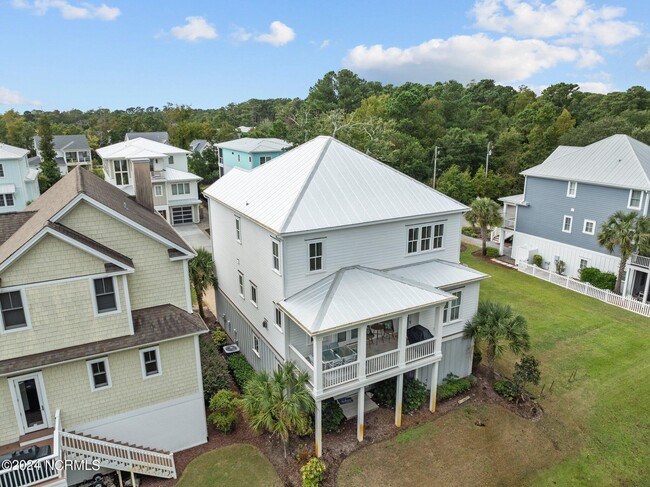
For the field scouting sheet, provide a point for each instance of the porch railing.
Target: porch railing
(509, 223)
(302, 363)
(340, 375)
(382, 361)
(640, 260)
(421, 349)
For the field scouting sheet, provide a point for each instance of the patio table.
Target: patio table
(346, 353)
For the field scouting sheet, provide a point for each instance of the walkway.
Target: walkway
(194, 236)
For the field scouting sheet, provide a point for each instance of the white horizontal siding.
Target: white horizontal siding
(457, 355)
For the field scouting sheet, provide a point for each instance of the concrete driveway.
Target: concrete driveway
(194, 236)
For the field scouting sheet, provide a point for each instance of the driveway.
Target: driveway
(194, 236)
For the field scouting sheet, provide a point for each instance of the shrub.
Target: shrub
(492, 252)
(313, 472)
(560, 267)
(526, 372)
(597, 278)
(224, 410)
(538, 260)
(240, 369)
(476, 358)
(332, 416)
(506, 389)
(414, 394)
(219, 338)
(469, 231)
(452, 386)
(213, 368)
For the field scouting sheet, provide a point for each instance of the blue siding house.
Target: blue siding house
(18, 182)
(568, 197)
(248, 153)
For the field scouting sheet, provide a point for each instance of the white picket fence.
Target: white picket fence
(585, 288)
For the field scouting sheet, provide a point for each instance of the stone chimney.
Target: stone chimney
(142, 182)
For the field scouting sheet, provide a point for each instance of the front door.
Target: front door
(29, 401)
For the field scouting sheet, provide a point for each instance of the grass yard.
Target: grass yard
(234, 466)
(596, 428)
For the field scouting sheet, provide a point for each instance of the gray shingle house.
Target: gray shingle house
(71, 151)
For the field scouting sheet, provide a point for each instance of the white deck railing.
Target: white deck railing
(382, 361)
(340, 375)
(640, 260)
(585, 288)
(420, 350)
(301, 362)
(40, 470)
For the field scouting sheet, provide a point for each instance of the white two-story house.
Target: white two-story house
(175, 190)
(345, 266)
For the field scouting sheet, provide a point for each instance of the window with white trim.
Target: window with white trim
(572, 189)
(278, 318)
(567, 223)
(99, 374)
(253, 293)
(583, 263)
(180, 188)
(157, 189)
(105, 297)
(150, 361)
(275, 250)
(589, 227)
(264, 159)
(170, 160)
(634, 201)
(256, 345)
(424, 238)
(451, 311)
(71, 157)
(6, 199)
(242, 291)
(12, 306)
(315, 256)
(2, 171)
(121, 172)
(238, 229)
(413, 239)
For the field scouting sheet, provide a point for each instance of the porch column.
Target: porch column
(502, 240)
(318, 363)
(287, 336)
(401, 340)
(630, 277)
(398, 400)
(361, 405)
(318, 431)
(361, 352)
(433, 383)
(437, 346)
(647, 286)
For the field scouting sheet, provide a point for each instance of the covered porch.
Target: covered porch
(509, 215)
(637, 284)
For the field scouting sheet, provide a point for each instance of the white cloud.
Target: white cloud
(82, 11)
(279, 35)
(644, 63)
(588, 58)
(241, 35)
(571, 21)
(12, 98)
(195, 29)
(595, 87)
(325, 44)
(462, 58)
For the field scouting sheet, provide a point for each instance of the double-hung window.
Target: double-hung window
(6, 199)
(566, 225)
(158, 189)
(2, 171)
(589, 227)
(634, 202)
(424, 238)
(451, 311)
(242, 291)
(99, 374)
(170, 160)
(256, 345)
(572, 189)
(238, 229)
(413, 238)
(14, 316)
(121, 172)
(275, 251)
(253, 294)
(315, 255)
(278, 318)
(105, 297)
(150, 362)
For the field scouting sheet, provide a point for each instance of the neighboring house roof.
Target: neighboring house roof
(355, 295)
(253, 145)
(10, 222)
(10, 152)
(197, 145)
(618, 160)
(139, 148)
(35, 162)
(244, 130)
(82, 182)
(515, 199)
(325, 184)
(150, 325)
(161, 137)
(437, 273)
(66, 143)
(171, 174)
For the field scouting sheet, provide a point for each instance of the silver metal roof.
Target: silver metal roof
(162, 137)
(325, 183)
(437, 273)
(514, 199)
(618, 160)
(252, 145)
(356, 295)
(10, 152)
(139, 148)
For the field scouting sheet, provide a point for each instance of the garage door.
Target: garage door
(181, 214)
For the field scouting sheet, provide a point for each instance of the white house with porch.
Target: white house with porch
(345, 266)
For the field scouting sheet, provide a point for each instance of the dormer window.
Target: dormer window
(572, 189)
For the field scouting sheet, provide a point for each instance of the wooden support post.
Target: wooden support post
(433, 383)
(132, 478)
(361, 408)
(398, 400)
(119, 477)
(318, 432)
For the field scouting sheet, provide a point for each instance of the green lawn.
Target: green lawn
(598, 424)
(232, 466)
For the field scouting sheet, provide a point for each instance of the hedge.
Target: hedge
(240, 369)
(597, 278)
(213, 368)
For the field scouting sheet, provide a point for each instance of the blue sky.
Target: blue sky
(62, 54)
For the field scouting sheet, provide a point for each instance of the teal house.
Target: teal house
(18, 182)
(248, 153)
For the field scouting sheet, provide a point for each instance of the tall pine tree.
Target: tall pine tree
(50, 173)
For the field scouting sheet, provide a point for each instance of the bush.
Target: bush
(240, 369)
(219, 338)
(213, 368)
(506, 389)
(332, 416)
(414, 394)
(526, 372)
(452, 386)
(313, 472)
(469, 231)
(560, 267)
(476, 358)
(597, 278)
(538, 260)
(224, 410)
(492, 252)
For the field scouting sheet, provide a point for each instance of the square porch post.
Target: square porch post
(502, 239)
(361, 408)
(433, 383)
(361, 351)
(647, 287)
(287, 336)
(318, 363)
(437, 346)
(401, 340)
(318, 431)
(398, 400)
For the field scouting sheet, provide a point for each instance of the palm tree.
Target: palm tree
(485, 213)
(202, 275)
(279, 403)
(627, 233)
(496, 326)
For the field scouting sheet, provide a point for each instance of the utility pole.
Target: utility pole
(487, 157)
(435, 165)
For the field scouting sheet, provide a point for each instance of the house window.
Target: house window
(452, 309)
(84, 156)
(634, 203)
(6, 200)
(275, 249)
(121, 172)
(241, 286)
(572, 189)
(238, 158)
(105, 298)
(253, 293)
(2, 171)
(250, 159)
(238, 229)
(13, 311)
(438, 231)
(99, 374)
(170, 160)
(315, 256)
(583, 263)
(278, 318)
(256, 345)
(342, 336)
(566, 226)
(180, 188)
(589, 227)
(264, 159)
(150, 361)
(424, 238)
(354, 334)
(413, 240)
(157, 189)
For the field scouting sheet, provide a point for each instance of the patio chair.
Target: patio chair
(389, 331)
(370, 336)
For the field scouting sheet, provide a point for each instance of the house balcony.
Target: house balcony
(640, 261)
